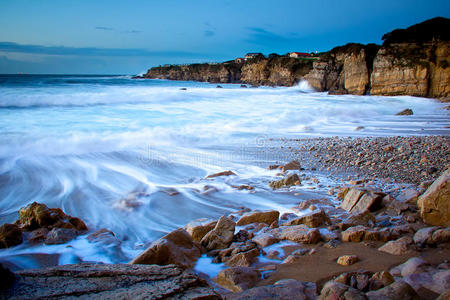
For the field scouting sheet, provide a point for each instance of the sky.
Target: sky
(128, 37)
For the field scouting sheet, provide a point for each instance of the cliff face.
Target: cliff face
(281, 71)
(412, 61)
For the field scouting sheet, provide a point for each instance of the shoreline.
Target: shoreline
(317, 156)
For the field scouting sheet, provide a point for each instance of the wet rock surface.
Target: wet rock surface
(118, 281)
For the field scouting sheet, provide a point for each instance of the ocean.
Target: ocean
(132, 155)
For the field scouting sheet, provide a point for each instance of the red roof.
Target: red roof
(300, 53)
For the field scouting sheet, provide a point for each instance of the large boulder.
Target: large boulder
(267, 217)
(335, 290)
(10, 235)
(199, 228)
(286, 289)
(238, 279)
(177, 247)
(221, 236)
(109, 281)
(434, 204)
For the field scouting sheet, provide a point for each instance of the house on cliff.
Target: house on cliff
(253, 55)
(299, 54)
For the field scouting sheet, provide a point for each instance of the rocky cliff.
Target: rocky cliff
(412, 61)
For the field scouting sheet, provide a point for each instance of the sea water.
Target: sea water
(132, 155)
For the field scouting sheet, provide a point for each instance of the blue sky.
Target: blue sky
(128, 37)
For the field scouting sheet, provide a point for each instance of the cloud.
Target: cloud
(131, 31)
(91, 51)
(209, 33)
(263, 37)
(104, 28)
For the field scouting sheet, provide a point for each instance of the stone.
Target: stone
(441, 235)
(38, 236)
(267, 217)
(265, 239)
(353, 234)
(286, 289)
(380, 280)
(297, 233)
(444, 296)
(293, 165)
(397, 247)
(238, 279)
(241, 236)
(347, 260)
(177, 248)
(104, 236)
(290, 180)
(37, 215)
(243, 259)
(424, 235)
(312, 219)
(60, 236)
(221, 236)
(224, 173)
(10, 235)
(334, 290)
(357, 201)
(434, 204)
(109, 281)
(7, 281)
(199, 228)
(364, 218)
(405, 112)
(394, 291)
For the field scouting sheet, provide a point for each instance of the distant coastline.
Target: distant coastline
(412, 61)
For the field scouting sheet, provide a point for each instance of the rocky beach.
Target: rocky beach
(337, 186)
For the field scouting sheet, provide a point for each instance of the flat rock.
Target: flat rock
(397, 247)
(357, 201)
(199, 228)
(221, 236)
(267, 217)
(224, 173)
(287, 289)
(265, 239)
(298, 233)
(109, 281)
(177, 248)
(238, 279)
(434, 204)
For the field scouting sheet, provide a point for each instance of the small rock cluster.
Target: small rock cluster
(39, 224)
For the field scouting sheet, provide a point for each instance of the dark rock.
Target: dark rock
(10, 235)
(60, 236)
(177, 247)
(405, 112)
(111, 281)
(7, 279)
(224, 173)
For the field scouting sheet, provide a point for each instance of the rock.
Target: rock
(298, 233)
(293, 165)
(360, 281)
(413, 265)
(357, 201)
(334, 290)
(177, 247)
(221, 236)
(312, 219)
(60, 236)
(199, 228)
(265, 239)
(397, 247)
(109, 281)
(380, 280)
(444, 296)
(238, 279)
(365, 218)
(395, 291)
(267, 217)
(290, 180)
(38, 236)
(434, 204)
(241, 236)
(347, 260)
(437, 282)
(287, 289)
(405, 112)
(10, 235)
(424, 236)
(243, 259)
(103, 236)
(7, 281)
(38, 215)
(224, 173)
(353, 234)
